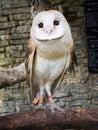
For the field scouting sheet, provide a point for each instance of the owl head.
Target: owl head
(49, 25)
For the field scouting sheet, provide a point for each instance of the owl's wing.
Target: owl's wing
(29, 62)
(70, 61)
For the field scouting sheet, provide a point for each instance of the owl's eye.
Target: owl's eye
(56, 22)
(40, 25)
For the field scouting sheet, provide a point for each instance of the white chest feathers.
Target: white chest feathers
(46, 69)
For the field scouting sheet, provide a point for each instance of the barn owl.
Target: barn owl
(48, 57)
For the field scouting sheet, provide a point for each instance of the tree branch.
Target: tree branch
(13, 75)
(44, 119)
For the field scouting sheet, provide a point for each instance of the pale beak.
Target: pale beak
(48, 30)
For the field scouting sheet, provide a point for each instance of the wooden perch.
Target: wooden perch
(44, 119)
(13, 75)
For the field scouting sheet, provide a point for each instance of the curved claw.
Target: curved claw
(51, 101)
(54, 107)
(37, 100)
(37, 107)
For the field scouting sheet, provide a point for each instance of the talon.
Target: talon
(41, 100)
(51, 101)
(37, 107)
(54, 106)
(35, 101)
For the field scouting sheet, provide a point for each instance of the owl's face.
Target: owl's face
(49, 25)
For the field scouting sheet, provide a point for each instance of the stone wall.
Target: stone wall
(14, 31)
(79, 89)
(15, 23)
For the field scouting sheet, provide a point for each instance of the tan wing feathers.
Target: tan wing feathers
(30, 50)
(71, 60)
(29, 64)
(29, 58)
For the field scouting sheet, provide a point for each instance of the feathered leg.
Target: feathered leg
(51, 104)
(37, 103)
(36, 99)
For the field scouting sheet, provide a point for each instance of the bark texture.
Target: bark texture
(13, 75)
(44, 119)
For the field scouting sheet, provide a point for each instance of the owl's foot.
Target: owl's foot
(37, 100)
(37, 107)
(37, 104)
(50, 99)
(54, 107)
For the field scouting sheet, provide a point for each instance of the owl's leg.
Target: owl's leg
(48, 90)
(39, 98)
(36, 99)
(52, 104)
(41, 95)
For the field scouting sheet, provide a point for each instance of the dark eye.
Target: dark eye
(40, 25)
(56, 22)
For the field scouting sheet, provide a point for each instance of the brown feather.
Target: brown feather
(29, 65)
